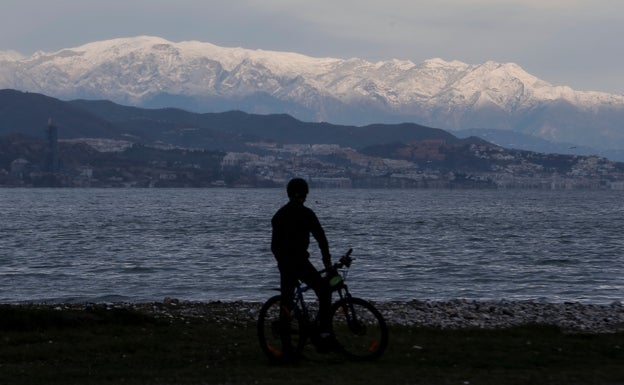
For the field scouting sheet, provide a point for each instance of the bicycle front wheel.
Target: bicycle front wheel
(279, 337)
(360, 329)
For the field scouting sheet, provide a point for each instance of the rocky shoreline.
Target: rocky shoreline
(569, 316)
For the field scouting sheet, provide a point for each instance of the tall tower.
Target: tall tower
(53, 159)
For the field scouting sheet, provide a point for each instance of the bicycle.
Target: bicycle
(359, 329)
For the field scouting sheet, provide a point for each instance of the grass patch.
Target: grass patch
(99, 346)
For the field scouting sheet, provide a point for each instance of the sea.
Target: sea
(142, 245)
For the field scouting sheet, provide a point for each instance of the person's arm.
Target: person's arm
(319, 234)
(275, 237)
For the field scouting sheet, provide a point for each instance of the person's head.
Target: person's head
(297, 189)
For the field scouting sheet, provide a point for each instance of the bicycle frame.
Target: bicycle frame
(299, 303)
(345, 297)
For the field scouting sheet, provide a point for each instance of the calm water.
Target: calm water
(213, 244)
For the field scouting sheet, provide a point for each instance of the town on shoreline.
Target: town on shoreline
(29, 162)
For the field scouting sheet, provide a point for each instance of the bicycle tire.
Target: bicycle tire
(270, 332)
(359, 328)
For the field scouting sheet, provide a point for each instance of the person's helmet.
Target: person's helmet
(297, 188)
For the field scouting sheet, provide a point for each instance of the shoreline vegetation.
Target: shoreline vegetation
(184, 342)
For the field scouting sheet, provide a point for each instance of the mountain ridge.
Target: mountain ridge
(149, 71)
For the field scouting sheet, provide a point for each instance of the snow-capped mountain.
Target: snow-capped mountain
(153, 72)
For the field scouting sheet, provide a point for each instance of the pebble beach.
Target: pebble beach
(569, 316)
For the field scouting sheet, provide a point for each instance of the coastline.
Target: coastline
(571, 317)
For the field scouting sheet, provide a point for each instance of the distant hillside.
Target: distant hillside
(28, 113)
(103, 144)
(186, 128)
(519, 141)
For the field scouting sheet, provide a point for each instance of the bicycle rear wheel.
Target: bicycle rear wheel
(279, 339)
(360, 329)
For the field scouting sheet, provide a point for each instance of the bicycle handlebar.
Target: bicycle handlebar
(344, 261)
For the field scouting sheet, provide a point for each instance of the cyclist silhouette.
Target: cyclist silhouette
(292, 225)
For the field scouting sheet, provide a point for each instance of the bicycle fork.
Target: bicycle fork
(355, 325)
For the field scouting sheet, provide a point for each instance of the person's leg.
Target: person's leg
(288, 283)
(312, 278)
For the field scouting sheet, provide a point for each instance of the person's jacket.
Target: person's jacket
(292, 226)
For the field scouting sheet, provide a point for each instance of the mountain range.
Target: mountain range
(152, 72)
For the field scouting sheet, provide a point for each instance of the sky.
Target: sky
(576, 43)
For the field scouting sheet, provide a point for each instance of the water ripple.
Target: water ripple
(214, 244)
